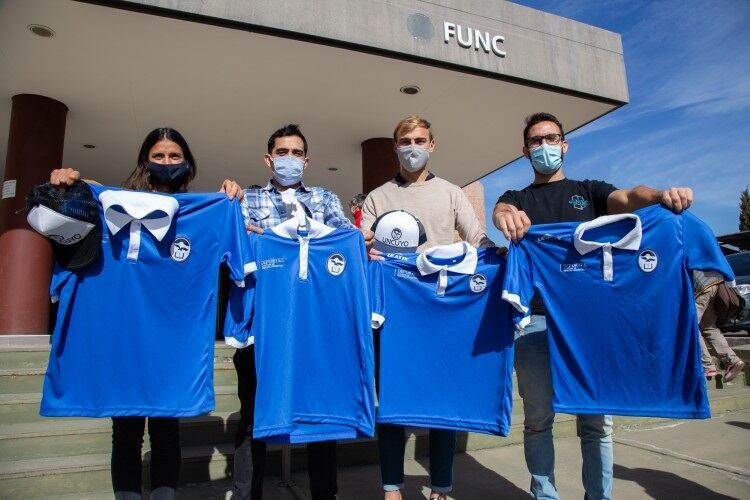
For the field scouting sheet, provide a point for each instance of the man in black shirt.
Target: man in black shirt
(554, 198)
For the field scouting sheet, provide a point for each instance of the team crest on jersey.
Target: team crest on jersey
(478, 283)
(336, 264)
(578, 202)
(648, 261)
(180, 249)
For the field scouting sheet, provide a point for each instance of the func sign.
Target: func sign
(472, 38)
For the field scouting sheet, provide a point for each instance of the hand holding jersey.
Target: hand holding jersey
(315, 377)
(551, 199)
(443, 208)
(65, 177)
(285, 199)
(148, 240)
(639, 265)
(545, 147)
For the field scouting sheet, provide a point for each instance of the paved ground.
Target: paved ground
(681, 459)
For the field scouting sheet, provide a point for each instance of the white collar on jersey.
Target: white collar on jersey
(467, 265)
(631, 241)
(288, 229)
(134, 207)
(292, 229)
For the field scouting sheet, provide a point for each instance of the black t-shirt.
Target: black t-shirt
(560, 201)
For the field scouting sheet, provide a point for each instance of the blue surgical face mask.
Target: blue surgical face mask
(288, 169)
(412, 157)
(173, 175)
(546, 159)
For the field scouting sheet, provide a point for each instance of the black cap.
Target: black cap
(70, 218)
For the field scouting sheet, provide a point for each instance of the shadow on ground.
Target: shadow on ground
(661, 484)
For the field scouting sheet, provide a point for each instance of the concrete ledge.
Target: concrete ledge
(541, 47)
(24, 341)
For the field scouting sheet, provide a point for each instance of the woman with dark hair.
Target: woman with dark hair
(159, 148)
(165, 165)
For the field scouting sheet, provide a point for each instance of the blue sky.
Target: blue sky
(688, 119)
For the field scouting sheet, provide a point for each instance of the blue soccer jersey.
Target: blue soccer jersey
(135, 331)
(623, 335)
(446, 339)
(307, 310)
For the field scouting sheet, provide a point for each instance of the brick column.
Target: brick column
(35, 147)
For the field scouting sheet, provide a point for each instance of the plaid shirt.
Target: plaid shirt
(264, 208)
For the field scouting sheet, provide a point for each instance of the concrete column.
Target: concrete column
(379, 162)
(35, 147)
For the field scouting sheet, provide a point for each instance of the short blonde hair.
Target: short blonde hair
(410, 123)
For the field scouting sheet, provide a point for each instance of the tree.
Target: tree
(745, 210)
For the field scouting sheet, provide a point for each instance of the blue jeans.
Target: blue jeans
(535, 386)
(391, 444)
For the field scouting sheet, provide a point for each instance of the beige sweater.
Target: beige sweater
(442, 207)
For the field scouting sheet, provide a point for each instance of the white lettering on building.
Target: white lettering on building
(472, 38)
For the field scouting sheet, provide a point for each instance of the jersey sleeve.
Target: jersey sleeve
(518, 284)
(239, 314)
(237, 255)
(377, 295)
(60, 277)
(701, 250)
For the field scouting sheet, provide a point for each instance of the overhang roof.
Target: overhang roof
(226, 88)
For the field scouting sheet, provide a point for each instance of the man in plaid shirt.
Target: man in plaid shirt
(285, 195)
(282, 198)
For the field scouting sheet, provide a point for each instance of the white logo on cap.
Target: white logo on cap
(397, 231)
(648, 261)
(58, 227)
(336, 264)
(66, 240)
(478, 283)
(180, 249)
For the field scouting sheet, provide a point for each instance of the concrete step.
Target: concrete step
(54, 477)
(68, 437)
(21, 380)
(37, 356)
(72, 437)
(24, 407)
(24, 357)
(50, 457)
(737, 340)
(743, 351)
(30, 379)
(71, 475)
(53, 437)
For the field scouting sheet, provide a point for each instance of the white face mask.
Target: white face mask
(412, 157)
(288, 170)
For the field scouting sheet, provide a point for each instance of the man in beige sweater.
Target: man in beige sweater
(443, 209)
